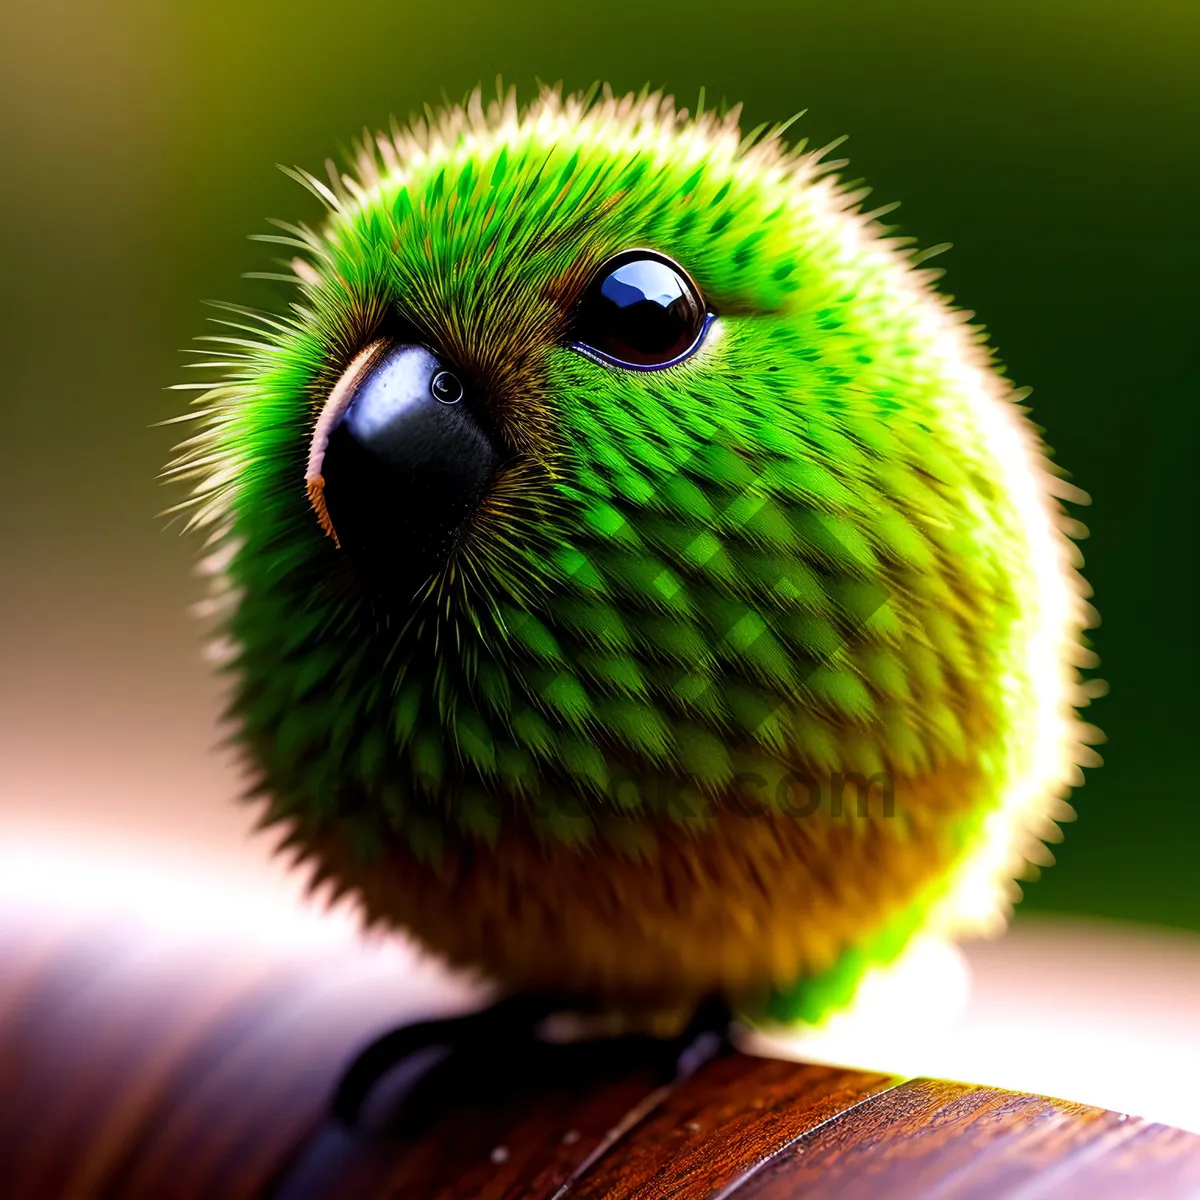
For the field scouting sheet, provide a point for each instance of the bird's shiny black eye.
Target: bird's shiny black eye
(397, 463)
(640, 311)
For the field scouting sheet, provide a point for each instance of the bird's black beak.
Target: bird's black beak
(397, 464)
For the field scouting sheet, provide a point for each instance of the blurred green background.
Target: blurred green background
(1054, 142)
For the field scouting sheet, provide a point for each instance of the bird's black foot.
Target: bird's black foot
(404, 1080)
(430, 1058)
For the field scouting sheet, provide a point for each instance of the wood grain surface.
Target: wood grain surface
(130, 1068)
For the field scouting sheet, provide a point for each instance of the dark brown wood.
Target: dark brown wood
(722, 1124)
(618, 1133)
(133, 1065)
(930, 1138)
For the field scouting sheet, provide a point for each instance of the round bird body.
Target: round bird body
(637, 580)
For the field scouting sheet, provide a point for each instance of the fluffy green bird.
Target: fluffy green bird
(637, 581)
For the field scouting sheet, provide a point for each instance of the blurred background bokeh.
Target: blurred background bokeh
(1054, 143)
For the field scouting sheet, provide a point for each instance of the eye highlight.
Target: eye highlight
(642, 312)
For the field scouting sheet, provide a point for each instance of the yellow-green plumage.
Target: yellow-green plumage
(617, 742)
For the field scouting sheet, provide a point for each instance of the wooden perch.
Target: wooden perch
(130, 1068)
